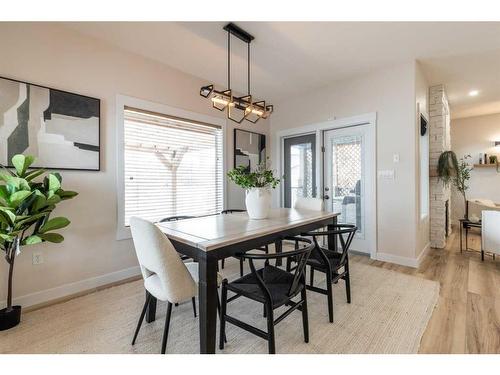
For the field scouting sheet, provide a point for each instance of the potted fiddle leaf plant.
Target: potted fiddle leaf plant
(457, 172)
(257, 184)
(27, 199)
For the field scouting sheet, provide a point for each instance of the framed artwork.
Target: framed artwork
(249, 148)
(61, 129)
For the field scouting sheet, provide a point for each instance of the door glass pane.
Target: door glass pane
(301, 171)
(348, 181)
(300, 168)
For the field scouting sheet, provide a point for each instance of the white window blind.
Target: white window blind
(173, 166)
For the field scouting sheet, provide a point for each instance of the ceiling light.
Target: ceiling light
(237, 108)
(473, 93)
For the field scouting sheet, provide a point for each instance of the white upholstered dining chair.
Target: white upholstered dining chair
(166, 277)
(490, 232)
(313, 204)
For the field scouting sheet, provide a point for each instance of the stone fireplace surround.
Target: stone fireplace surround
(439, 141)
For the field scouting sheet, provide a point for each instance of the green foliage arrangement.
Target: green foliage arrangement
(451, 170)
(259, 178)
(26, 202)
(447, 166)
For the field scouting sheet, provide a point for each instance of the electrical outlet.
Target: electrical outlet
(37, 258)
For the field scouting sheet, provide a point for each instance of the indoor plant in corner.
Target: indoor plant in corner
(458, 172)
(258, 184)
(26, 203)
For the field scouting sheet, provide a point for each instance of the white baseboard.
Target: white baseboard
(423, 253)
(403, 261)
(65, 290)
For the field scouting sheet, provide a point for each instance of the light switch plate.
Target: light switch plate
(386, 174)
(395, 158)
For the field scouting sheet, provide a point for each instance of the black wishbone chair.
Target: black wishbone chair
(273, 287)
(332, 263)
(264, 248)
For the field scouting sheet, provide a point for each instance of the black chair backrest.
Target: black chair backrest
(176, 218)
(230, 211)
(345, 234)
(299, 254)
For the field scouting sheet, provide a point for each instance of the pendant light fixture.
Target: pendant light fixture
(242, 107)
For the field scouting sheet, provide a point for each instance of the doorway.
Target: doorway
(336, 161)
(346, 174)
(300, 167)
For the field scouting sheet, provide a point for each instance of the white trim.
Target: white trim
(122, 232)
(65, 290)
(403, 261)
(423, 254)
(319, 129)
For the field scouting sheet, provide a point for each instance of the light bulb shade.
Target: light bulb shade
(255, 111)
(221, 99)
(269, 110)
(237, 111)
(205, 91)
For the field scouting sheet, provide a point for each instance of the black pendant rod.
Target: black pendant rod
(229, 60)
(248, 64)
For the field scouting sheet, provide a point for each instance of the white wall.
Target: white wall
(474, 135)
(51, 55)
(421, 103)
(391, 94)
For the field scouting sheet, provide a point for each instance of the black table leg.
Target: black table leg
(207, 304)
(151, 311)
(461, 226)
(278, 245)
(332, 239)
(467, 238)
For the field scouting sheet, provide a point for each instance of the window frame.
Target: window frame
(122, 101)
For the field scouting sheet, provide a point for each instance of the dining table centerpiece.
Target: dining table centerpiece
(257, 184)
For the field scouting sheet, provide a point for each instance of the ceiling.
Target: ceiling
(289, 58)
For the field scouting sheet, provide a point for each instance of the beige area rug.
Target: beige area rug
(388, 314)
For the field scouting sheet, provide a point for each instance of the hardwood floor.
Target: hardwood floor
(467, 317)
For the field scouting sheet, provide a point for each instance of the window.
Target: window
(172, 166)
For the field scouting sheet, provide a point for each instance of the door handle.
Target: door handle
(326, 197)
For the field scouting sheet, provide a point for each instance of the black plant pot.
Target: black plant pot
(9, 319)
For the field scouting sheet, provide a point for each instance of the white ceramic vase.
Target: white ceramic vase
(258, 202)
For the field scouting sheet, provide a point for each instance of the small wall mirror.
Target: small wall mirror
(249, 148)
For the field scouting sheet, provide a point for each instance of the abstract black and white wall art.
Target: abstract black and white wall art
(60, 128)
(249, 149)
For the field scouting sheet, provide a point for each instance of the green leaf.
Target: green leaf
(7, 237)
(52, 237)
(28, 221)
(21, 163)
(8, 214)
(34, 174)
(54, 199)
(17, 198)
(4, 195)
(52, 183)
(66, 194)
(31, 240)
(40, 202)
(53, 224)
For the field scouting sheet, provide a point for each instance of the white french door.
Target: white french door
(349, 180)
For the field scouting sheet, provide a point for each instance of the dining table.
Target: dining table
(208, 239)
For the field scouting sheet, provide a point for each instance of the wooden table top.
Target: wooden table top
(212, 232)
